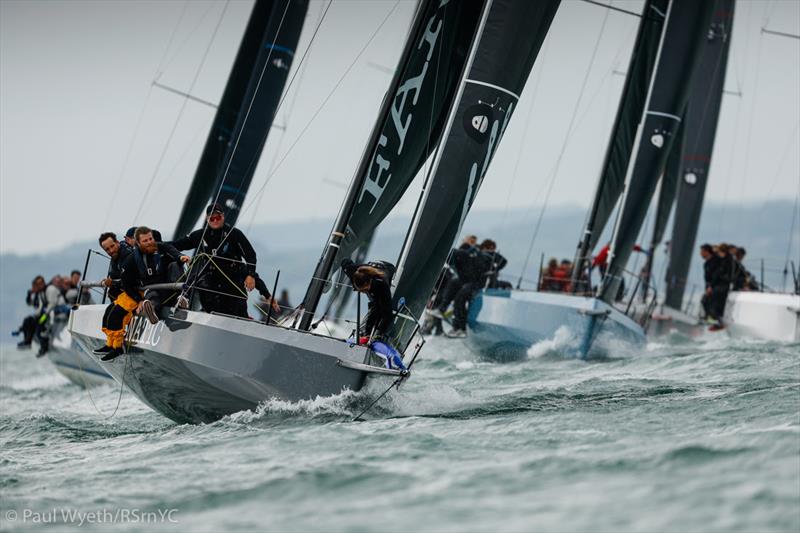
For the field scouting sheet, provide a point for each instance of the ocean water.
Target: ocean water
(683, 436)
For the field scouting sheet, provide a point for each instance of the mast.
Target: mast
(705, 100)
(256, 116)
(211, 162)
(686, 27)
(509, 38)
(620, 145)
(407, 129)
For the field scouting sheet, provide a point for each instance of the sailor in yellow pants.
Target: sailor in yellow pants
(118, 318)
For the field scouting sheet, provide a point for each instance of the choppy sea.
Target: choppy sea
(686, 435)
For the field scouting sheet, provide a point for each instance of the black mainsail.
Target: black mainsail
(686, 27)
(406, 132)
(705, 100)
(629, 114)
(246, 110)
(510, 36)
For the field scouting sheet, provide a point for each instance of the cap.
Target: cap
(214, 208)
(130, 232)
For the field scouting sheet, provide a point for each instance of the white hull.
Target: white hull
(666, 320)
(506, 324)
(763, 315)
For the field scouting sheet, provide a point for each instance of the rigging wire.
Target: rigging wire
(301, 70)
(159, 70)
(322, 105)
(569, 132)
(180, 112)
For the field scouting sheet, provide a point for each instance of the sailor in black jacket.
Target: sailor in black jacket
(229, 265)
(373, 279)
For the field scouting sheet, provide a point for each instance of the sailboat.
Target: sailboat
(506, 323)
(458, 79)
(687, 176)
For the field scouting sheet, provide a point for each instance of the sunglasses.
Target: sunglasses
(215, 216)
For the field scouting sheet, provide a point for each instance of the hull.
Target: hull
(763, 315)
(195, 367)
(505, 325)
(72, 363)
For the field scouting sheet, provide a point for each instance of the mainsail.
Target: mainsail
(623, 133)
(407, 130)
(246, 110)
(510, 36)
(705, 99)
(686, 27)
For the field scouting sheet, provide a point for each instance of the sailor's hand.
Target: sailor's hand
(708, 291)
(106, 282)
(185, 258)
(139, 307)
(275, 305)
(249, 283)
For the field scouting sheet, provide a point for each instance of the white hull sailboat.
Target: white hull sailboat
(763, 315)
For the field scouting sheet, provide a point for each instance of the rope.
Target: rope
(300, 70)
(557, 166)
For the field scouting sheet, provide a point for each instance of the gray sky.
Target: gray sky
(75, 78)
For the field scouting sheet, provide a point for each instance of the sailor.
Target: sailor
(118, 252)
(473, 273)
(710, 267)
(720, 285)
(149, 263)
(53, 302)
(35, 299)
(375, 280)
(131, 241)
(444, 290)
(73, 290)
(229, 267)
(267, 299)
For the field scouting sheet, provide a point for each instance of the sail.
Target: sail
(669, 186)
(686, 27)
(407, 129)
(629, 114)
(511, 34)
(261, 32)
(705, 99)
(666, 199)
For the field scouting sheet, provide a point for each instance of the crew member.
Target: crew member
(35, 299)
(374, 280)
(472, 274)
(229, 267)
(118, 252)
(149, 263)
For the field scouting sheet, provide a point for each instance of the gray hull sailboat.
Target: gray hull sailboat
(505, 324)
(197, 367)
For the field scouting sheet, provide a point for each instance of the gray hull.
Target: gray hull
(505, 325)
(196, 367)
(72, 362)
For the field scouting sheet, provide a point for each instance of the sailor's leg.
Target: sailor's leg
(462, 298)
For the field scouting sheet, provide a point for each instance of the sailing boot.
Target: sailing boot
(102, 350)
(456, 334)
(112, 354)
(44, 347)
(149, 311)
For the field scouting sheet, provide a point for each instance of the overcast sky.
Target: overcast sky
(76, 81)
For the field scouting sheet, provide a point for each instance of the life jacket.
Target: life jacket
(149, 271)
